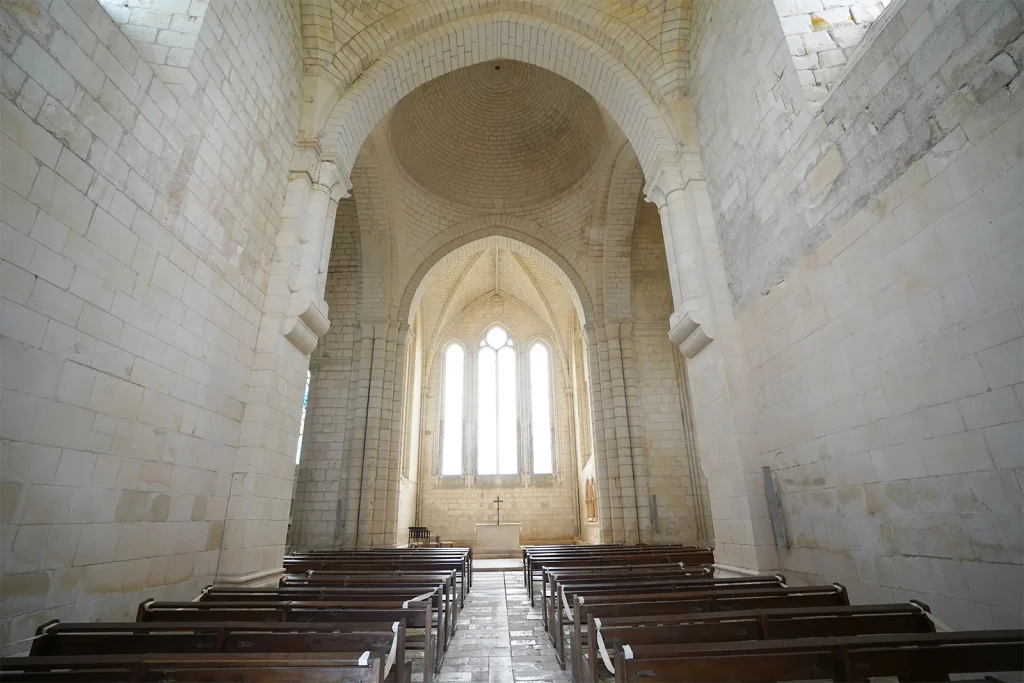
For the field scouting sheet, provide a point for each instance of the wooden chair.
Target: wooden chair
(418, 536)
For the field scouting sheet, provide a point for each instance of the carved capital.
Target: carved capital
(666, 180)
(673, 176)
(324, 172)
(688, 332)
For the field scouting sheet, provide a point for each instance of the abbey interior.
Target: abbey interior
(296, 275)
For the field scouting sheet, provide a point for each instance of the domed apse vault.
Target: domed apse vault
(497, 135)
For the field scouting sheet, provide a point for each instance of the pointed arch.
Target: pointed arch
(520, 234)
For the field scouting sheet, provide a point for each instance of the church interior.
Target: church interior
(443, 326)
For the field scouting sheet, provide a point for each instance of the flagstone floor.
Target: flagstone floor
(500, 638)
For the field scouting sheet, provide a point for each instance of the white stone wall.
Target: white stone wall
(164, 32)
(872, 255)
(138, 225)
(823, 36)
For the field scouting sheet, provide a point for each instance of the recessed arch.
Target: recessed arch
(518, 234)
(500, 35)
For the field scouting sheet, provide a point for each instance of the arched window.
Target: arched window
(451, 420)
(540, 408)
(497, 418)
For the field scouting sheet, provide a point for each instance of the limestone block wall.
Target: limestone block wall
(164, 32)
(872, 251)
(544, 504)
(823, 36)
(138, 224)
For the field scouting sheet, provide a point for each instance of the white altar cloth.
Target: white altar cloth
(504, 536)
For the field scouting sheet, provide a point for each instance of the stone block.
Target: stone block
(831, 58)
(46, 505)
(826, 171)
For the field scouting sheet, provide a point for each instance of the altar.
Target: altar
(491, 537)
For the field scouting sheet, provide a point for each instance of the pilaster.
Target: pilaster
(294, 317)
(703, 328)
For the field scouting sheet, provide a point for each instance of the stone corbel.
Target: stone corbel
(306, 321)
(306, 316)
(688, 333)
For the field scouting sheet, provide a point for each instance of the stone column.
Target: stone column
(704, 329)
(294, 318)
(671, 190)
(623, 502)
(372, 459)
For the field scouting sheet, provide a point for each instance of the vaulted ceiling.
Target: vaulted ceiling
(492, 272)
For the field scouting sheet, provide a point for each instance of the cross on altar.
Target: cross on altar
(498, 501)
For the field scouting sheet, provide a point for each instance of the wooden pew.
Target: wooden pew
(536, 550)
(385, 641)
(408, 558)
(603, 634)
(618, 557)
(535, 555)
(343, 580)
(645, 607)
(357, 667)
(418, 617)
(910, 657)
(347, 566)
(726, 591)
(677, 569)
(443, 602)
(647, 574)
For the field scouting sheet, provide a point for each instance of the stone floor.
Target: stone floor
(500, 638)
(497, 564)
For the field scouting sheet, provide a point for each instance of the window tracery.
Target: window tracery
(496, 409)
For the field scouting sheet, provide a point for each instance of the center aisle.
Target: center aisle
(500, 638)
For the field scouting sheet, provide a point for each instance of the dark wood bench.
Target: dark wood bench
(374, 566)
(356, 667)
(687, 557)
(646, 607)
(444, 603)
(408, 558)
(532, 555)
(418, 617)
(385, 641)
(677, 569)
(444, 580)
(726, 591)
(616, 577)
(909, 657)
(603, 634)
